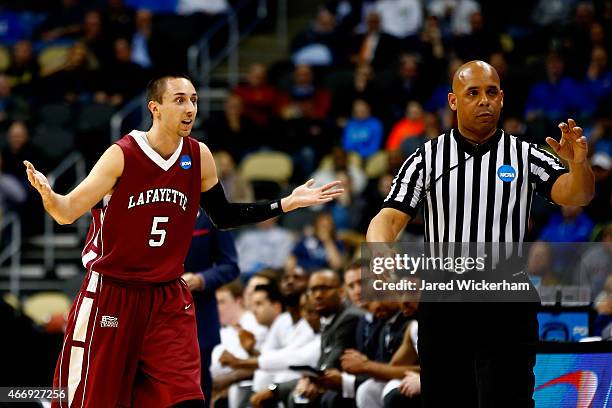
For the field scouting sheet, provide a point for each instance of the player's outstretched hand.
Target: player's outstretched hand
(38, 181)
(306, 195)
(573, 145)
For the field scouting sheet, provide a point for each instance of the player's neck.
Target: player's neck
(162, 143)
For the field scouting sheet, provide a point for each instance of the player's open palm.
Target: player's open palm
(38, 181)
(306, 195)
(573, 144)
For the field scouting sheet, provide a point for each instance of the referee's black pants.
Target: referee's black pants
(477, 355)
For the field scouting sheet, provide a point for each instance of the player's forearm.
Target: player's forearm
(578, 186)
(59, 208)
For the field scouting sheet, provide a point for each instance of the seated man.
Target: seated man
(361, 367)
(267, 307)
(338, 324)
(288, 333)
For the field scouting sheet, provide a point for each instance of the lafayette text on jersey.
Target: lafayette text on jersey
(143, 231)
(474, 193)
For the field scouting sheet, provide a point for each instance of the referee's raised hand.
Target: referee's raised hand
(573, 146)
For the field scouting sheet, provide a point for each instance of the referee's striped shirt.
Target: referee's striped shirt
(474, 193)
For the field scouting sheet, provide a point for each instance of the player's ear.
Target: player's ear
(452, 101)
(501, 93)
(152, 105)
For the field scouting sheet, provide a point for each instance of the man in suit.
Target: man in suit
(212, 262)
(376, 48)
(338, 324)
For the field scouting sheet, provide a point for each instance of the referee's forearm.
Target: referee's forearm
(576, 187)
(384, 227)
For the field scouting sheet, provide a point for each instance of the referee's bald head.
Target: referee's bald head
(472, 69)
(477, 99)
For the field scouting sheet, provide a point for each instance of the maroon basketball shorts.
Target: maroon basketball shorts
(129, 345)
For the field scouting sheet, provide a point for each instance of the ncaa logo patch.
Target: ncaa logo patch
(506, 173)
(185, 162)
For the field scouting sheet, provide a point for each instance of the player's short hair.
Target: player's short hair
(235, 288)
(157, 86)
(272, 291)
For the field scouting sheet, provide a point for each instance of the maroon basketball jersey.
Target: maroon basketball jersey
(143, 231)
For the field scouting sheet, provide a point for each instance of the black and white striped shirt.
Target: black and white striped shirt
(474, 193)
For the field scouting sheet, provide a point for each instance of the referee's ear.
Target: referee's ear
(452, 101)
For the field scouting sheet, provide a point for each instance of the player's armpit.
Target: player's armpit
(100, 182)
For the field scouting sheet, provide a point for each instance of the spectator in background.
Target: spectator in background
(77, 81)
(374, 47)
(237, 188)
(558, 96)
(438, 102)
(233, 132)
(143, 28)
(407, 86)
(322, 249)
(12, 107)
(23, 71)
(341, 163)
(576, 41)
(19, 148)
(363, 87)
(120, 18)
(122, 88)
(97, 40)
(263, 277)
(411, 126)
(236, 322)
(454, 15)
(305, 99)
(259, 98)
(12, 193)
(600, 208)
(319, 44)
(288, 333)
(594, 267)
(539, 263)
(570, 225)
(63, 22)
(363, 133)
(599, 75)
(305, 132)
(546, 14)
(480, 42)
(347, 210)
(400, 18)
(599, 38)
(603, 306)
(352, 284)
(265, 246)
(210, 263)
(514, 77)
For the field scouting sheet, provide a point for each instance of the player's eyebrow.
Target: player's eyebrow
(183, 93)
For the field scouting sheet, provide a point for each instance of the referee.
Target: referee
(476, 184)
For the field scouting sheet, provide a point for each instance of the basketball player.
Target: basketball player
(131, 339)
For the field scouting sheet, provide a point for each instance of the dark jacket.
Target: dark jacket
(212, 255)
(338, 336)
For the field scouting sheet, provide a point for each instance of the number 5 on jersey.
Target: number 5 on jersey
(158, 232)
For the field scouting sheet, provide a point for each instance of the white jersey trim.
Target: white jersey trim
(141, 139)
